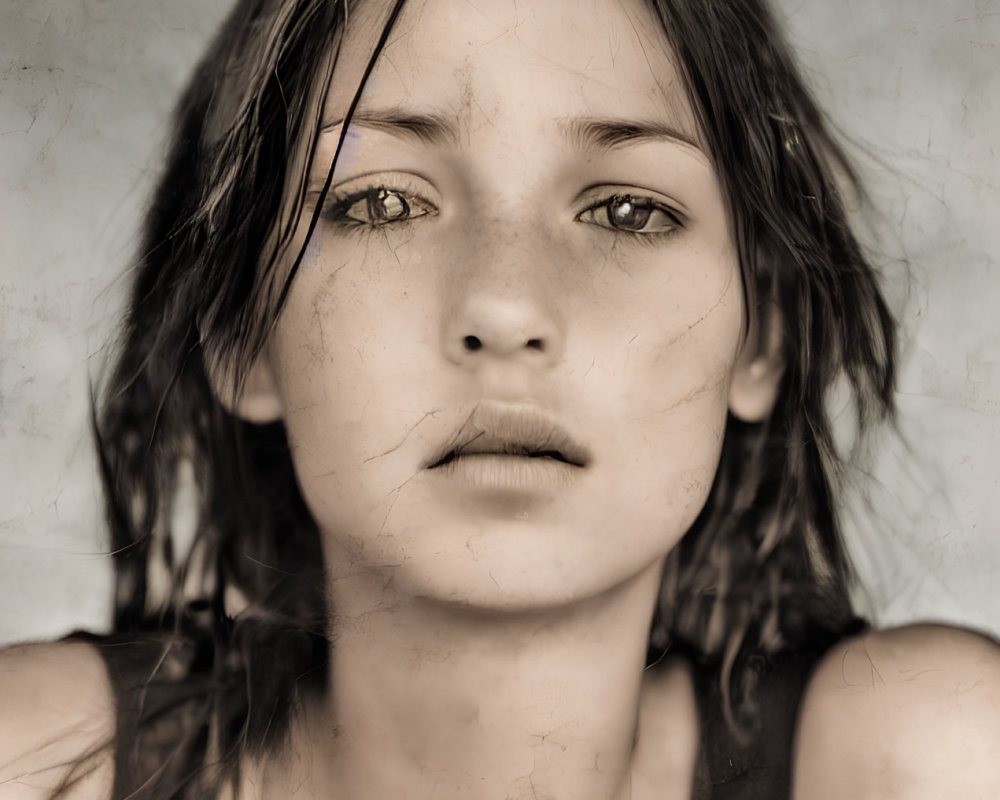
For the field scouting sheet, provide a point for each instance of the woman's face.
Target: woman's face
(506, 361)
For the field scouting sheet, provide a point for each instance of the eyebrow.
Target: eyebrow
(606, 134)
(582, 133)
(432, 129)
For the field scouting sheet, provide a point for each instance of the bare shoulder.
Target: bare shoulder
(57, 722)
(912, 712)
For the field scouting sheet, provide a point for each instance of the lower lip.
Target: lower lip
(511, 473)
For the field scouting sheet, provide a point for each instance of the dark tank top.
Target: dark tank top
(728, 769)
(151, 715)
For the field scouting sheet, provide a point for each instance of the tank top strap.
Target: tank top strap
(761, 768)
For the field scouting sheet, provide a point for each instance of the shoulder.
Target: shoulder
(57, 724)
(912, 712)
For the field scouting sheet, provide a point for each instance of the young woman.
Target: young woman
(488, 344)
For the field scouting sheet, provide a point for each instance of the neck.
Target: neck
(428, 699)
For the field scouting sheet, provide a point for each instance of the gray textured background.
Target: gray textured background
(912, 85)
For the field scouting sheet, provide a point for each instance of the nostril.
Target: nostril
(502, 345)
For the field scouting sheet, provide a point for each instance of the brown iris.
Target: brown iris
(627, 213)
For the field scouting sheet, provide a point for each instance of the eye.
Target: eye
(375, 206)
(632, 214)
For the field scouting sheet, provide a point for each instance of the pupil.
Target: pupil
(624, 213)
(387, 206)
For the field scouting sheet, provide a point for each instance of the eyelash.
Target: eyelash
(412, 206)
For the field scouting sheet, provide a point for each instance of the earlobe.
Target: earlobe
(258, 399)
(756, 376)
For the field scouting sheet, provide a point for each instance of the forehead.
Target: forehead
(486, 62)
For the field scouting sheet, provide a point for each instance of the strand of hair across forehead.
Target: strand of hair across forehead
(328, 182)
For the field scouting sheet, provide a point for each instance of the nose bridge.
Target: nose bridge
(503, 298)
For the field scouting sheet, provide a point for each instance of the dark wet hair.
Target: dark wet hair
(238, 617)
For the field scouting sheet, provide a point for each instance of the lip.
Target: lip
(500, 438)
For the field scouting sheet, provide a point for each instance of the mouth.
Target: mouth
(512, 450)
(514, 432)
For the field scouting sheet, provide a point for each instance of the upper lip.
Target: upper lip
(511, 430)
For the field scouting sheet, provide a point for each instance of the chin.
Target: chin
(497, 546)
(512, 565)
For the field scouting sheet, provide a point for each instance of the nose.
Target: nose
(496, 327)
(500, 310)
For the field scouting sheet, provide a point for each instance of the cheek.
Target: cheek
(331, 339)
(349, 398)
(666, 454)
(669, 331)
(681, 390)
(666, 388)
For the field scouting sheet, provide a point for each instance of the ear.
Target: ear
(756, 377)
(258, 399)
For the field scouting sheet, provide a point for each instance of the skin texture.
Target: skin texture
(466, 600)
(490, 623)
(58, 715)
(627, 340)
(912, 713)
